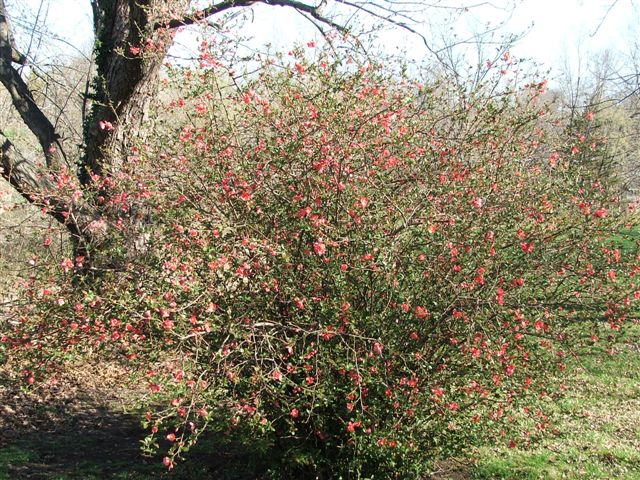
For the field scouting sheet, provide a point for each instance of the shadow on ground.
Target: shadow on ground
(95, 443)
(75, 430)
(69, 430)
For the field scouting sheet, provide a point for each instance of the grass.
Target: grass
(598, 426)
(12, 456)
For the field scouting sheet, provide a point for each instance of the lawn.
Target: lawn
(598, 425)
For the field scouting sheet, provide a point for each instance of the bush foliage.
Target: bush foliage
(354, 271)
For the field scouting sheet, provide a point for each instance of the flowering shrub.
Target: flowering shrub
(355, 269)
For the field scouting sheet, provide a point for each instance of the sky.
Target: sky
(557, 31)
(567, 28)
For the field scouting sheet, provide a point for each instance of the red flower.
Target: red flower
(600, 213)
(437, 391)
(362, 202)
(295, 413)
(367, 257)
(66, 265)
(527, 247)
(167, 324)
(500, 296)
(319, 247)
(166, 461)
(154, 387)
(105, 125)
(351, 427)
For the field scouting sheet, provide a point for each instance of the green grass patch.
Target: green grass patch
(10, 457)
(627, 239)
(597, 422)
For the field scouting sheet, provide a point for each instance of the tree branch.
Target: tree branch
(22, 174)
(22, 98)
(8, 41)
(313, 11)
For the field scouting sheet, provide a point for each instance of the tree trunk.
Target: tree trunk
(130, 49)
(129, 55)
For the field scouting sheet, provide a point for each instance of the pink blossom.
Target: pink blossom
(66, 265)
(319, 247)
(600, 213)
(105, 125)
